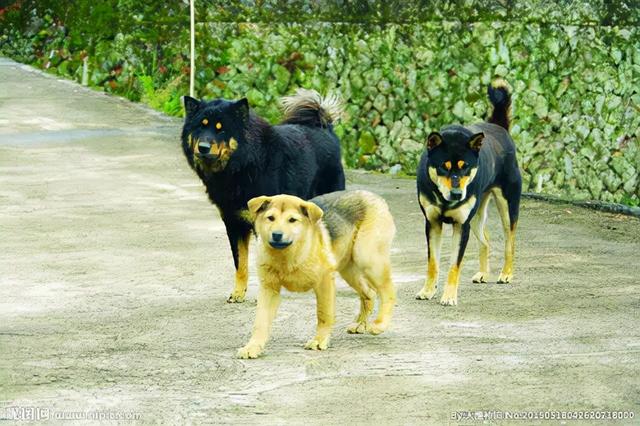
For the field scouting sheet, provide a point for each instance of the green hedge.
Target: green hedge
(576, 87)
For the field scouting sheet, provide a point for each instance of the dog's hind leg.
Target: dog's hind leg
(354, 277)
(331, 180)
(239, 242)
(508, 209)
(326, 303)
(433, 232)
(371, 259)
(338, 183)
(371, 255)
(381, 276)
(479, 229)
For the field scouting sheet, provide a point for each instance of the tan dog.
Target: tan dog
(302, 243)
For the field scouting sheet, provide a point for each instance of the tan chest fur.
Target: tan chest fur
(297, 275)
(302, 278)
(431, 211)
(461, 213)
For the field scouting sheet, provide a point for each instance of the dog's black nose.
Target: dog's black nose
(276, 236)
(204, 147)
(456, 194)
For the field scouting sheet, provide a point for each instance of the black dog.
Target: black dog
(459, 173)
(239, 156)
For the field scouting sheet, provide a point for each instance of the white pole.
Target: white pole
(85, 71)
(193, 48)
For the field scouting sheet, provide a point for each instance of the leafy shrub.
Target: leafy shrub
(574, 67)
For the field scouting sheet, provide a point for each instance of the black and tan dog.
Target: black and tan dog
(303, 243)
(239, 156)
(459, 173)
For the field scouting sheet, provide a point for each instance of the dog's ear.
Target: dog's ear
(190, 104)
(475, 143)
(312, 211)
(241, 108)
(258, 205)
(433, 140)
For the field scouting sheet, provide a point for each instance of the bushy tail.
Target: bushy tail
(500, 98)
(308, 108)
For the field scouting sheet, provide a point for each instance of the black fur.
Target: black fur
(342, 210)
(494, 159)
(501, 100)
(300, 158)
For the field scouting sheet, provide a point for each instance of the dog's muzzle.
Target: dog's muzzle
(204, 152)
(276, 241)
(204, 147)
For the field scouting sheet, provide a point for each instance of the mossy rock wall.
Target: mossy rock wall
(576, 84)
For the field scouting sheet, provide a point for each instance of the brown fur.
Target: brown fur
(360, 252)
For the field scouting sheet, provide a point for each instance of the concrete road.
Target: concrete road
(114, 270)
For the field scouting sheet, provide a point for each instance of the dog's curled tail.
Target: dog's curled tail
(309, 108)
(500, 98)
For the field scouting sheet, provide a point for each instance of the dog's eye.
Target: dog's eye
(218, 126)
(292, 220)
(205, 121)
(271, 218)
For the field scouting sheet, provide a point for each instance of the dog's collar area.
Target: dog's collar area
(452, 204)
(448, 204)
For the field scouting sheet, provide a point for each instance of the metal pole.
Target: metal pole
(193, 48)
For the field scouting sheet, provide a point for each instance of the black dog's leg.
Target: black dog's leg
(508, 202)
(330, 181)
(433, 233)
(239, 241)
(338, 181)
(460, 239)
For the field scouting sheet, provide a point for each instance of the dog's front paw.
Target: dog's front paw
(236, 297)
(450, 296)
(317, 344)
(505, 278)
(426, 294)
(250, 351)
(480, 277)
(358, 328)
